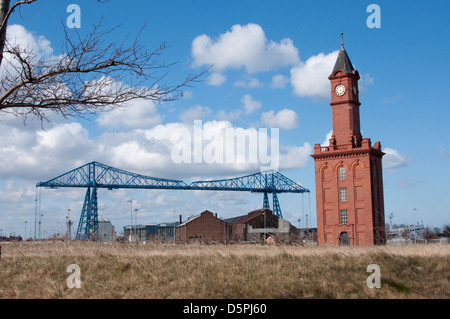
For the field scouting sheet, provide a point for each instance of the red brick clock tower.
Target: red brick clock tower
(349, 181)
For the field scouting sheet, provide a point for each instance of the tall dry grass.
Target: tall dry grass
(38, 270)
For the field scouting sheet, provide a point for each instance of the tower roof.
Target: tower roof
(343, 61)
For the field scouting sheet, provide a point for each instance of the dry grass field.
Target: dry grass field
(39, 270)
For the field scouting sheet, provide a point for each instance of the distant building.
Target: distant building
(106, 231)
(253, 227)
(10, 239)
(140, 233)
(203, 228)
(406, 232)
(259, 225)
(166, 231)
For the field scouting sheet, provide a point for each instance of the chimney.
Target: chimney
(181, 219)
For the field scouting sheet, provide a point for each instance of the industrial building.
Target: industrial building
(202, 228)
(141, 233)
(106, 231)
(254, 227)
(259, 225)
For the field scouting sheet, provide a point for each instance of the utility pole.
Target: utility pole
(40, 227)
(131, 219)
(35, 213)
(264, 227)
(174, 227)
(69, 223)
(414, 215)
(135, 226)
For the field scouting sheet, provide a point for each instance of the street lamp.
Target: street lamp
(264, 213)
(131, 218)
(135, 226)
(69, 223)
(40, 227)
(414, 216)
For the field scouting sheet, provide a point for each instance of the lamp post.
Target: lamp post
(40, 227)
(69, 223)
(135, 226)
(25, 231)
(264, 213)
(131, 218)
(414, 216)
(174, 228)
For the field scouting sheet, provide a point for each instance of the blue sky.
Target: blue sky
(271, 62)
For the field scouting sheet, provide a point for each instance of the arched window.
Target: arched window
(344, 239)
(342, 173)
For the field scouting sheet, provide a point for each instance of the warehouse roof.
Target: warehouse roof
(246, 218)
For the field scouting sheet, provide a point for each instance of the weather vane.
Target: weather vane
(342, 39)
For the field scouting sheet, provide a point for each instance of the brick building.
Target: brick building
(255, 226)
(349, 182)
(259, 225)
(203, 228)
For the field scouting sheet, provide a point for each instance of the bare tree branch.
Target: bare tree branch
(91, 75)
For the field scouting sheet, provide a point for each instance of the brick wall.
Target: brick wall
(205, 228)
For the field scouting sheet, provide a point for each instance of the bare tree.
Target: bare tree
(446, 230)
(428, 234)
(89, 76)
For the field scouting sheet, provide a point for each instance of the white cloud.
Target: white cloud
(393, 99)
(17, 35)
(393, 159)
(135, 114)
(39, 152)
(228, 116)
(279, 81)
(444, 153)
(326, 142)
(216, 79)
(286, 119)
(250, 105)
(244, 46)
(197, 112)
(295, 156)
(310, 78)
(187, 94)
(365, 81)
(249, 82)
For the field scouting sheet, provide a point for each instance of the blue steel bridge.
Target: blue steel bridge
(96, 175)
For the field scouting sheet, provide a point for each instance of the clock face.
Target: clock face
(339, 89)
(355, 90)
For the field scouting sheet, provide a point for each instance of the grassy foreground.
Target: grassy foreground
(39, 270)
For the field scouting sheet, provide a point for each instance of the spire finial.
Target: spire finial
(342, 39)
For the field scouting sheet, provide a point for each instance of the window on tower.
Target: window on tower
(342, 173)
(343, 194)
(344, 216)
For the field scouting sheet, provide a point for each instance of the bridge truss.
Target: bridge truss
(96, 175)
